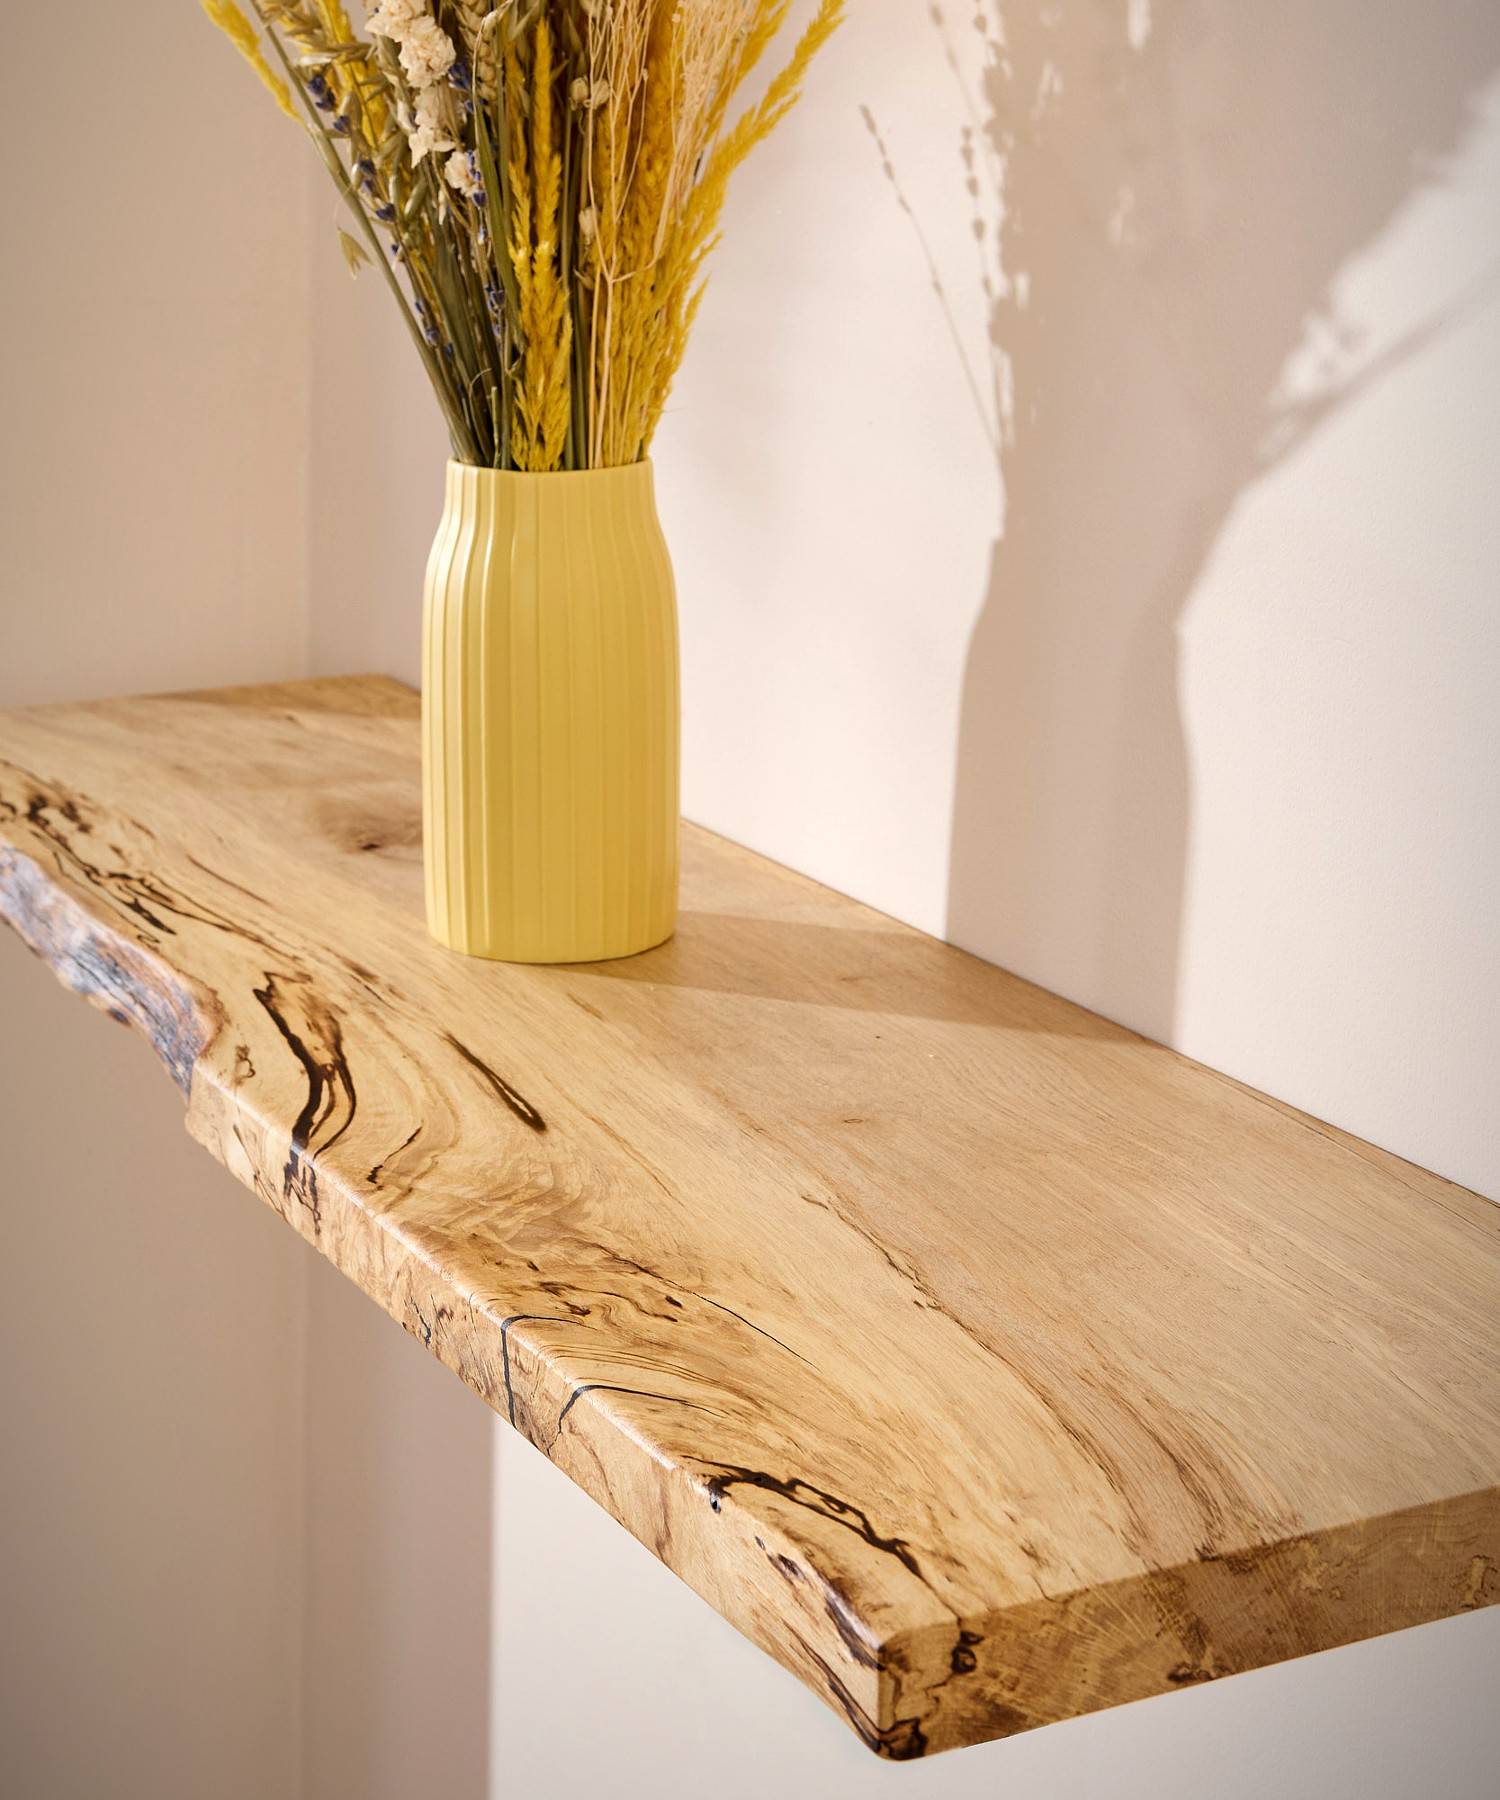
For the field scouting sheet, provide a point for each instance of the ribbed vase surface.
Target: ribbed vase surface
(550, 717)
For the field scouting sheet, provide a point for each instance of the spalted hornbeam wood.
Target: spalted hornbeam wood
(981, 1361)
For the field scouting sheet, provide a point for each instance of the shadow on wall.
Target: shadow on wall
(1178, 186)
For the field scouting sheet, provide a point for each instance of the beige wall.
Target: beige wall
(151, 1401)
(377, 473)
(396, 1604)
(154, 362)
(226, 1564)
(153, 371)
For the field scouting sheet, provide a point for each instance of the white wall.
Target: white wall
(613, 1678)
(1183, 703)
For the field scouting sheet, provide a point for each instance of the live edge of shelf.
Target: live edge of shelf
(981, 1361)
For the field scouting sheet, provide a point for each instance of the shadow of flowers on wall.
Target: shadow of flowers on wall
(1164, 198)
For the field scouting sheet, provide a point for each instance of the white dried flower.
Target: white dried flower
(425, 140)
(582, 94)
(394, 18)
(427, 53)
(428, 131)
(462, 170)
(587, 225)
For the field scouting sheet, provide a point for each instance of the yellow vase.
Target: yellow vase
(550, 717)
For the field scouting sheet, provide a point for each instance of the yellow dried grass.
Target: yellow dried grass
(552, 295)
(677, 168)
(543, 399)
(242, 34)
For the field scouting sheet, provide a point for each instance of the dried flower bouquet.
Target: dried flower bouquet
(540, 183)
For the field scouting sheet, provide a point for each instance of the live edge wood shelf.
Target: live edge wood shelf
(981, 1361)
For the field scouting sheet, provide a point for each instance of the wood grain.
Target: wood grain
(981, 1361)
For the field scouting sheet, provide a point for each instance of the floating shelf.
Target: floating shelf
(981, 1361)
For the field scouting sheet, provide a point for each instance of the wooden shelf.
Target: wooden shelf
(981, 1361)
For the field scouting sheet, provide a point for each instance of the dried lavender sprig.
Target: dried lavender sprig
(458, 430)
